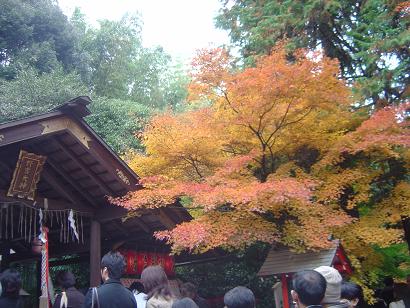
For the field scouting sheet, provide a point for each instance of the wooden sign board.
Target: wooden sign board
(26, 175)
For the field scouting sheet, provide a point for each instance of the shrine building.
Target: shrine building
(56, 172)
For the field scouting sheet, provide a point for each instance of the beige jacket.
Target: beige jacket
(160, 302)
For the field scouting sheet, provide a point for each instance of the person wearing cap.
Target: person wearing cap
(332, 298)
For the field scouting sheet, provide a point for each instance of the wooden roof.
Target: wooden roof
(80, 171)
(283, 261)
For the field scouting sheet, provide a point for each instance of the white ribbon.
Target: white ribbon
(72, 224)
(42, 236)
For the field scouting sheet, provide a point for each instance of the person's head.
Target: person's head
(155, 281)
(65, 279)
(333, 283)
(112, 266)
(352, 292)
(188, 290)
(309, 288)
(11, 283)
(239, 297)
(185, 302)
(137, 286)
(388, 281)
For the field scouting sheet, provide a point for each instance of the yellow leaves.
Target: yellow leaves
(336, 180)
(182, 146)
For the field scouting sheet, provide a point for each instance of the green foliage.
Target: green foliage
(46, 59)
(31, 93)
(396, 261)
(35, 34)
(117, 121)
(113, 48)
(114, 64)
(80, 270)
(369, 38)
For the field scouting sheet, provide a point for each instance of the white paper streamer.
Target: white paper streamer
(42, 236)
(72, 224)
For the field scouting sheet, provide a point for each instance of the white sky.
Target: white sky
(180, 26)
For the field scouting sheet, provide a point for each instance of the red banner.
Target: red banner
(138, 261)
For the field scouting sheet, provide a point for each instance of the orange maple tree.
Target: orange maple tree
(228, 157)
(275, 153)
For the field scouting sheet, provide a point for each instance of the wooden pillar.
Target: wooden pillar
(95, 253)
(285, 291)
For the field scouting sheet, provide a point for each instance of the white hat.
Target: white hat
(334, 283)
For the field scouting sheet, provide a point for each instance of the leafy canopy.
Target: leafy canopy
(274, 153)
(369, 38)
(232, 158)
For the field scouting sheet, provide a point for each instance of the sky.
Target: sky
(180, 26)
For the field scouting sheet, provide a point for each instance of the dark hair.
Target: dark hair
(65, 279)
(310, 287)
(388, 281)
(155, 281)
(239, 297)
(351, 291)
(115, 264)
(11, 283)
(136, 285)
(185, 302)
(188, 289)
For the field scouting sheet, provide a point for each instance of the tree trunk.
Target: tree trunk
(406, 227)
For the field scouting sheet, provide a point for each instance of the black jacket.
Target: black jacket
(75, 299)
(7, 302)
(112, 294)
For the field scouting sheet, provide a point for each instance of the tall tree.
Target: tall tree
(114, 63)
(277, 156)
(34, 34)
(369, 38)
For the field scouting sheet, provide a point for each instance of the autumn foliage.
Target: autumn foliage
(274, 153)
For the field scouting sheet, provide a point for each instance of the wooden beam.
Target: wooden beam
(57, 186)
(66, 177)
(25, 129)
(95, 253)
(83, 166)
(52, 204)
(113, 212)
(108, 213)
(59, 170)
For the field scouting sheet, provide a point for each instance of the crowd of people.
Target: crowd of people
(322, 287)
